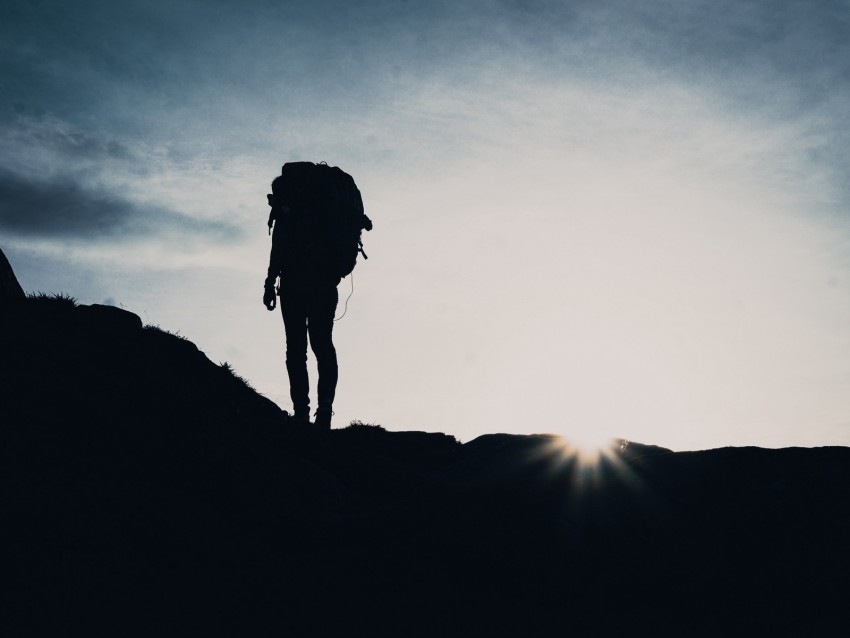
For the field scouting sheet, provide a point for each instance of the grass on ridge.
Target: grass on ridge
(57, 299)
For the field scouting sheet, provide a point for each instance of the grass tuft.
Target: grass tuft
(55, 299)
(229, 369)
(357, 424)
(157, 329)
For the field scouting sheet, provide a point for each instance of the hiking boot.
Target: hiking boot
(301, 417)
(323, 418)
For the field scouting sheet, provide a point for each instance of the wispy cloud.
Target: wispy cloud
(62, 208)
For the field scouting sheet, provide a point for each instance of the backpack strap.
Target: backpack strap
(273, 212)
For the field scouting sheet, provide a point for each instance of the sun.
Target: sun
(588, 447)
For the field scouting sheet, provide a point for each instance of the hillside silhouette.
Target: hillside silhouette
(150, 491)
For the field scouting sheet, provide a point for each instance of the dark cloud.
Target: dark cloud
(202, 78)
(160, 49)
(802, 44)
(167, 69)
(61, 208)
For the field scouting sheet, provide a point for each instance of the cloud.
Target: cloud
(63, 208)
(48, 146)
(59, 137)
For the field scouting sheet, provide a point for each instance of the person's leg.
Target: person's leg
(320, 323)
(293, 307)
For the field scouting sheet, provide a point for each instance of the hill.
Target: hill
(149, 491)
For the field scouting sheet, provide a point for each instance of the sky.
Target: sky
(591, 218)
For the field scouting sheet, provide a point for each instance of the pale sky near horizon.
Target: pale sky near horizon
(629, 219)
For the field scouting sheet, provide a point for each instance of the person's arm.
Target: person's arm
(269, 293)
(274, 270)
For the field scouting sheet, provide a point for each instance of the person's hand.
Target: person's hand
(269, 298)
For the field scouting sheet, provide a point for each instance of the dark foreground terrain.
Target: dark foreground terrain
(147, 491)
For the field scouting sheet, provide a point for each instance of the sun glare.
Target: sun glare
(588, 448)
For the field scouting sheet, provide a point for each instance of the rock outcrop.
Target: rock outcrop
(10, 290)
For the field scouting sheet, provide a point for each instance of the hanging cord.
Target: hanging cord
(347, 298)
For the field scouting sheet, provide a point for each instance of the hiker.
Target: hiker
(317, 215)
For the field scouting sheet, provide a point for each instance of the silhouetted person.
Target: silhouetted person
(317, 215)
(308, 299)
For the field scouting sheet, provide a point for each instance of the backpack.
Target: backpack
(317, 209)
